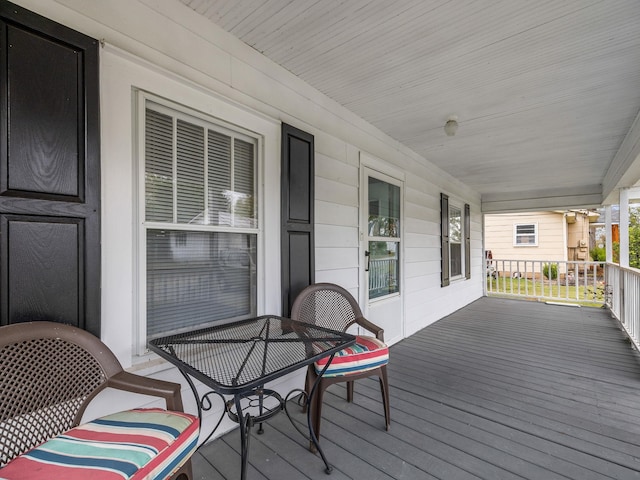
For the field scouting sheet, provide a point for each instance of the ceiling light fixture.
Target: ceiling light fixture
(451, 127)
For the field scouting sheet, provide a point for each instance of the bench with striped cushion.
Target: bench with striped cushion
(366, 354)
(135, 444)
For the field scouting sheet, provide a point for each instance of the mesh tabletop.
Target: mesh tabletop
(235, 357)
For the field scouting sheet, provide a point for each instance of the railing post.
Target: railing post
(621, 293)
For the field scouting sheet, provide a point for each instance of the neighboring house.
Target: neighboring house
(540, 236)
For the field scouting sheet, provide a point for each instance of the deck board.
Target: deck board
(501, 389)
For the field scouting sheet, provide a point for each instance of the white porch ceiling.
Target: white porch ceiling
(545, 92)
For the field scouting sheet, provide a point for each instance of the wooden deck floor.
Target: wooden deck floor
(501, 389)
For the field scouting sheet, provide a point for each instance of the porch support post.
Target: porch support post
(609, 234)
(624, 227)
(485, 269)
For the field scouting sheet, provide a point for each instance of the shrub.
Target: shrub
(598, 254)
(550, 270)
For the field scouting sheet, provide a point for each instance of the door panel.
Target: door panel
(382, 222)
(49, 172)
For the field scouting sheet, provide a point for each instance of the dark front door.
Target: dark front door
(298, 265)
(49, 172)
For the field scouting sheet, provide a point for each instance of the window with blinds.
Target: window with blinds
(200, 221)
(526, 235)
(455, 241)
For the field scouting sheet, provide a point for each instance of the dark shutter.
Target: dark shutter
(297, 204)
(444, 239)
(467, 241)
(49, 172)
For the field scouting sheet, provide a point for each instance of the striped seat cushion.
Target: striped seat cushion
(366, 354)
(135, 444)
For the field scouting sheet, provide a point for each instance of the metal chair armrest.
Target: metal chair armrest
(371, 327)
(148, 386)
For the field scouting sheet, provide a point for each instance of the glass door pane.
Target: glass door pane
(383, 238)
(383, 269)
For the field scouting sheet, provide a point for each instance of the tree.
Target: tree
(598, 255)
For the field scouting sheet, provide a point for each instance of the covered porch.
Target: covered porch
(501, 388)
(546, 99)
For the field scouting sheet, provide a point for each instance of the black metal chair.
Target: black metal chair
(331, 306)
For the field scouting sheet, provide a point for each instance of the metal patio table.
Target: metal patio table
(240, 358)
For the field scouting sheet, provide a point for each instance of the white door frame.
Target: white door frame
(371, 166)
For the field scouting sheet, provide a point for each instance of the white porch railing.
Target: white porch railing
(570, 282)
(383, 276)
(623, 298)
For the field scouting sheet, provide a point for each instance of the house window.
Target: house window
(455, 241)
(526, 235)
(200, 225)
(455, 236)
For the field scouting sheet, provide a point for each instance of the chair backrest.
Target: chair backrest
(327, 305)
(48, 374)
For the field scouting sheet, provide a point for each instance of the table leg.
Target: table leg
(245, 422)
(204, 403)
(260, 408)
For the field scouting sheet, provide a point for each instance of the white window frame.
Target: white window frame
(368, 172)
(140, 265)
(454, 204)
(516, 235)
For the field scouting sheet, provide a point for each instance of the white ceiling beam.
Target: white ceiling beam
(556, 199)
(624, 170)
